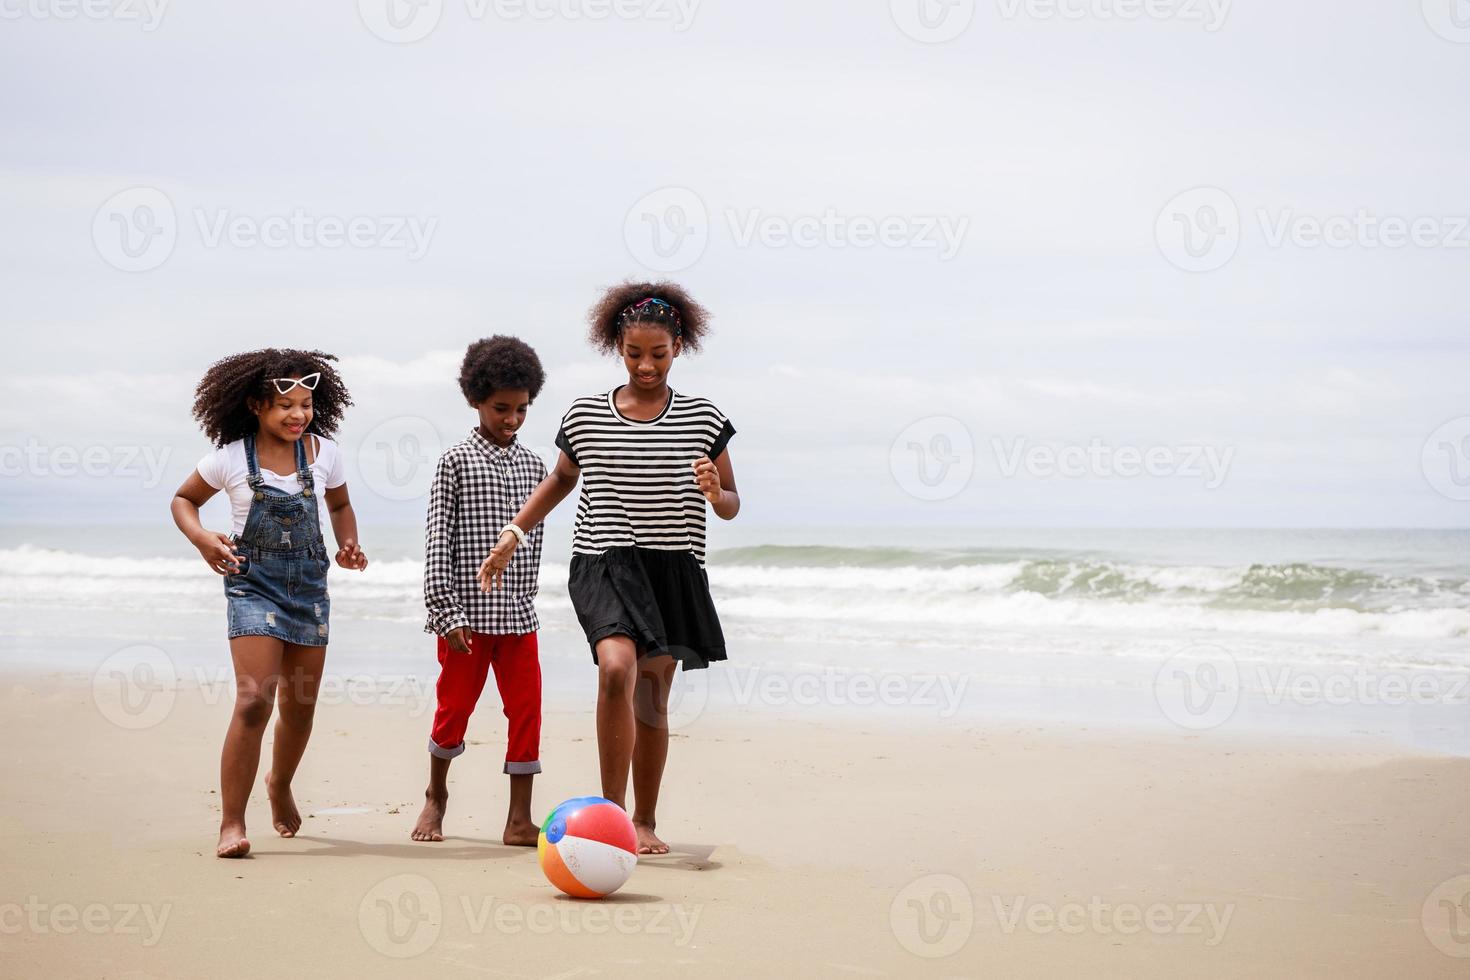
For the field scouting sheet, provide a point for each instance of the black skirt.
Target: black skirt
(658, 598)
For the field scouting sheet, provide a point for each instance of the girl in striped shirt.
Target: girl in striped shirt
(649, 459)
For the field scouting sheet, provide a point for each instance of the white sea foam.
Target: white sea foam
(941, 603)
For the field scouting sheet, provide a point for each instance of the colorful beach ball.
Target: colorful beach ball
(588, 847)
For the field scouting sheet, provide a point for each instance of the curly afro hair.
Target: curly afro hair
(624, 305)
(222, 401)
(500, 362)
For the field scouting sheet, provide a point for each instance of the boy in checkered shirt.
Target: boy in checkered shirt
(478, 487)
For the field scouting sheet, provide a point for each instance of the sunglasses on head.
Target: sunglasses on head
(284, 386)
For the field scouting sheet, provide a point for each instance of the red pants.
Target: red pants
(462, 678)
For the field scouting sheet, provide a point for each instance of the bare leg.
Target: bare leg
(520, 829)
(651, 699)
(430, 825)
(301, 673)
(257, 671)
(617, 671)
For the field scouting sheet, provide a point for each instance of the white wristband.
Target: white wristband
(520, 535)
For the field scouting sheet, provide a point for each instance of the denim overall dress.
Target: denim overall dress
(281, 588)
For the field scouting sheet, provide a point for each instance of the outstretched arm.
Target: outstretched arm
(551, 491)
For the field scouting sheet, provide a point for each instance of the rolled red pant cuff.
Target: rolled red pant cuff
(440, 752)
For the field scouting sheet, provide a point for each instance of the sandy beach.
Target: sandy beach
(804, 846)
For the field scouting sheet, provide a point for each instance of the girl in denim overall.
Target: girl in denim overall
(269, 413)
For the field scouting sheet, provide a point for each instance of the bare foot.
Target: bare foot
(284, 815)
(648, 842)
(232, 842)
(520, 833)
(431, 818)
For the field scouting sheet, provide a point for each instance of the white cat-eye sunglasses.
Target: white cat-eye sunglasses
(284, 386)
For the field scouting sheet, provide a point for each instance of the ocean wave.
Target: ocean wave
(894, 590)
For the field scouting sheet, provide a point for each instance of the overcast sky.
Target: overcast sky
(954, 281)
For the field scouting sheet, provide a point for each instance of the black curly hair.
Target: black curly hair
(222, 400)
(500, 362)
(624, 305)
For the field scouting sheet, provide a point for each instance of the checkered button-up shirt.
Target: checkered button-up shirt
(478, 488)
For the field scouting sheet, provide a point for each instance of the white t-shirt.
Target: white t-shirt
(225, 469)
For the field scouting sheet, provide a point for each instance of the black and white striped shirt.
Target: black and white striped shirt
(479, 488)
(638, 486)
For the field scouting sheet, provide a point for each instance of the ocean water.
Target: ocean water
(1322, 631)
